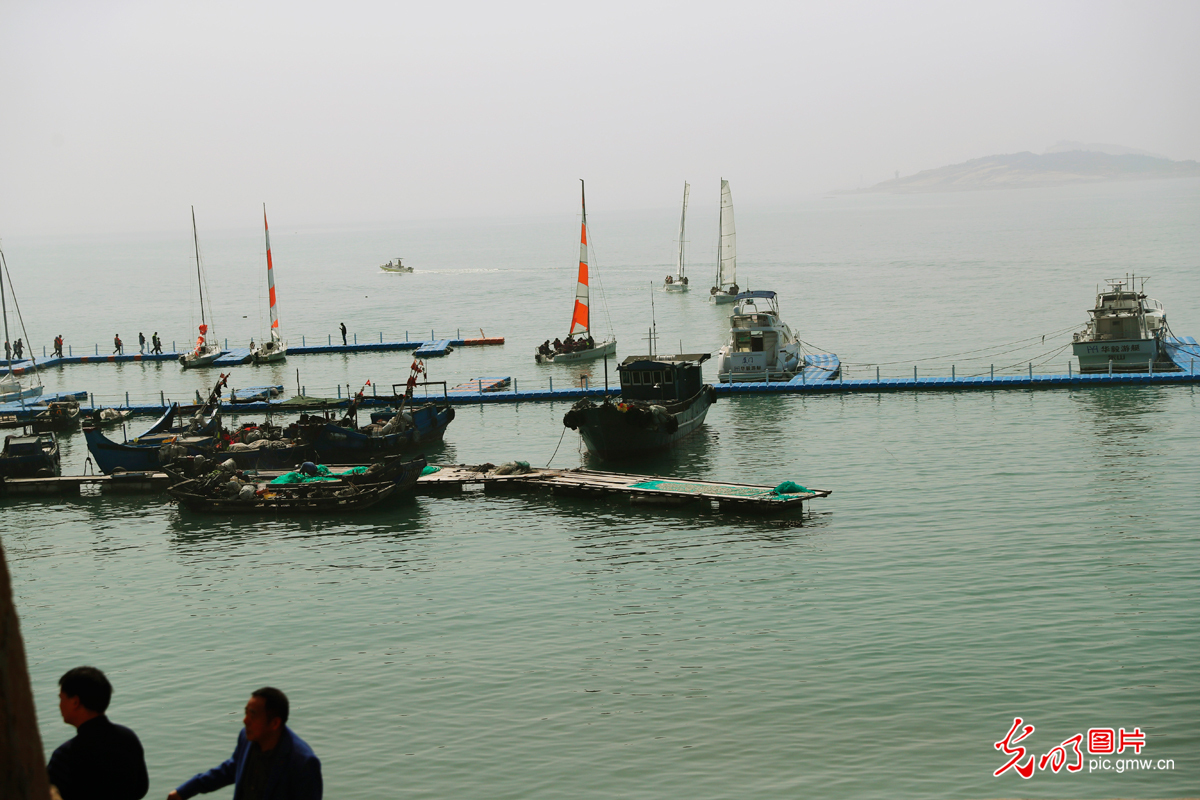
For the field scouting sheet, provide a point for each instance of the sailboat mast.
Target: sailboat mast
(682, 220)
(199, 280)
(4, 306)
(270, 278)
(720, 227)
(581, 316)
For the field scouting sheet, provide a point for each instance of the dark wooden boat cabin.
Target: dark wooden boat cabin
(662, 380)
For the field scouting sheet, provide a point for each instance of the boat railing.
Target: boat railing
(399, 389)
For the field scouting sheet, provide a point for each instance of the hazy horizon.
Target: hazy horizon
(121, 116)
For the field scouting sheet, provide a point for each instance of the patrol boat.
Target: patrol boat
(1126, 331)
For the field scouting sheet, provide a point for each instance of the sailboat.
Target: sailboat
(726, 289)
(275, 349)
(679, 282)
(205, 352)
(585, 348)
(11, 388)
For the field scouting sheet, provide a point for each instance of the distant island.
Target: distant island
(1027, 170)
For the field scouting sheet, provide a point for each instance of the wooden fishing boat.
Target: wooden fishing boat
(679, 282)
(400, 430)
(274, 349)
(205, 352)
(663, 400)
(725, 288)
(29, 456)
(301, 498)
(195, 435)
(585, 348)
(60, 415)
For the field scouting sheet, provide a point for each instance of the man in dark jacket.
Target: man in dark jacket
(103, 760)
(269, 763)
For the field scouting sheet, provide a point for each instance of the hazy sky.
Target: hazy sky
(119, 115)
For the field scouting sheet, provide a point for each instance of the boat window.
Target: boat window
(635, 378)
(658, 376)
(756, 342)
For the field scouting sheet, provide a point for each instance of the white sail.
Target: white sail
(682, 222)
(727, 272)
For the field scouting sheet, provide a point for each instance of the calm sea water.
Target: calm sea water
(985, 555)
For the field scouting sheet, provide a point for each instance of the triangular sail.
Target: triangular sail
(271, 279)
(682, 221)
(580, 318)
(727, 272)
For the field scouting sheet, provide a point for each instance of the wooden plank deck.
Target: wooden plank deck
(638, 488)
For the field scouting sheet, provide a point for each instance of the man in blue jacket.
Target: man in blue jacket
(269, 763)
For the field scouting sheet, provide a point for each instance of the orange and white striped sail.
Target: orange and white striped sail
(581, 317)
(271, 279)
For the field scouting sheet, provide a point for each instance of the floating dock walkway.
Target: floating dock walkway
(453, 479)
(241, 355)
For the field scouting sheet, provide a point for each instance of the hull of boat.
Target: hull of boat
(722, 298)
(753, 367)
(393, 269)
(1125, 355)
(288, 457)
(23, 394)
(144, 457)
(269, 357)
(600, 351)
(675, 287)
(204, 359)
(312, 498)
(43, 462)
(612, 433)
(337, 445)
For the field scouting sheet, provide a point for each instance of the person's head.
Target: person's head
(84, 693)
(266, 714)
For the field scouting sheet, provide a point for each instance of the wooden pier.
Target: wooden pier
(639, 489)
(455, 478)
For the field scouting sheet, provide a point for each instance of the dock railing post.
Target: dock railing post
(69, 352)
(226, 343)
(993, 372)
(162, 398)
(514, 385)
(127, 399)
(1110, 368)
(1151, 367)
(953, 375)
(877, 374)
(552, 383)
(97, 349)
(356, 337)
(1030, 370)
(914, 372)
(381, 337)
(329, 339)
(1070, 370)
(339, 391)
(302, 340)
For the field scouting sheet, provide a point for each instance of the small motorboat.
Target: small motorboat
(396, 266)
(1125, 333)
(761, 346)
(663, 400)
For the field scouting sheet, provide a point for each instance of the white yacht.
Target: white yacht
(761, 346)
(1126, 331)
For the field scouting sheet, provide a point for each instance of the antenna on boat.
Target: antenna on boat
(653, 326)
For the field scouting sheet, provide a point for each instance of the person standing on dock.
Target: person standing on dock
(118, 348)
(155, 344)
(141, 343)
(103, 760)
(269, 760)
(58, 343)
(7, 351)
(343, 333)
(19, 349)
